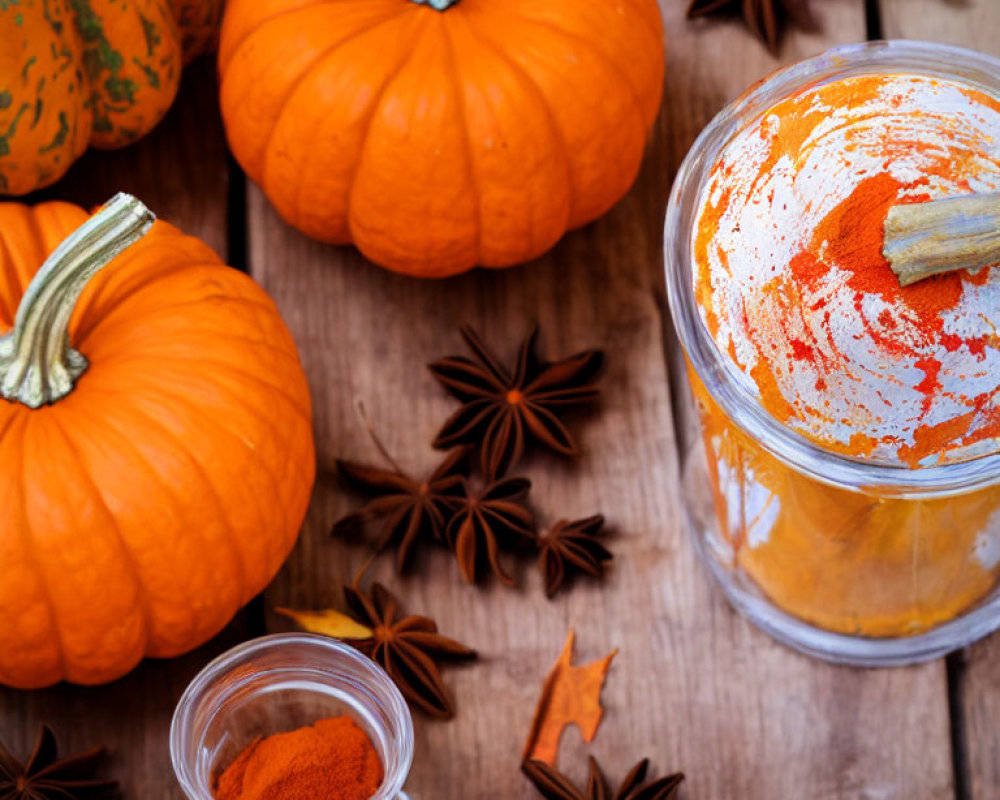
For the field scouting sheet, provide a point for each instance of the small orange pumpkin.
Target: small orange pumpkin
(153, 475)
(437, 138)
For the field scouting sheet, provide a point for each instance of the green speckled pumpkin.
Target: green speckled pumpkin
(80, 73)
(198, 23)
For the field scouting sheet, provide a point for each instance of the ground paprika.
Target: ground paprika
(332, 759)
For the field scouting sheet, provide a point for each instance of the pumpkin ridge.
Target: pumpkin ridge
(608, 63)
(242, 374)
(376, 104)
(294, 81)
(104, 325)
(322, 56)
(233, 538)
(467, 138)
(231, 368)
(281, 12)
(144, 604)
(142, 462)
(7, 260)
(529, 80)
(369, 114)
(32, 556)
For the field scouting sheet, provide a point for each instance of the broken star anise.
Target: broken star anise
(407, 647)
(553, 785)
(572, 546)
(45, 776)
(409, 508)
(501, 409)
(489, 518)
(762, 17)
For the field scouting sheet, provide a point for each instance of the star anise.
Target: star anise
(762, 17)
(45, 776)
(553, 785)
(489, 518)
(572, 546)
(501, 410)
(407, 647)
(410, 509)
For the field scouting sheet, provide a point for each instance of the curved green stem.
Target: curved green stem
(439, 5)
(37, 364)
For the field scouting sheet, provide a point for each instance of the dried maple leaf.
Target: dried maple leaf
(501, 409)
(410, 509)
(571, 696)
(572, 546)
(407, 647)
(45, 776)
(762, 17)
(489, 518)
(553, 785)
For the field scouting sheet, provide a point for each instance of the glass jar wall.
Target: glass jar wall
(852, 560)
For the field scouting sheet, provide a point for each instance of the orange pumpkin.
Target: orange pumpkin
(440, 139)
(153, 475)
(198, 25)
(75, 74)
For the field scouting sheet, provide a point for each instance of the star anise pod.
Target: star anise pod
(407, 647)
(45, 776)
(762, 17)
(489, 518)
(410, 509)
(553, 785)
(501, 410)
(572, 546)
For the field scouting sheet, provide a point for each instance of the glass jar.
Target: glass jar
(280, 683)
(805, 541)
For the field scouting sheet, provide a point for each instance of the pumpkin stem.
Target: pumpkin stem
(439, 5)
(37, 363)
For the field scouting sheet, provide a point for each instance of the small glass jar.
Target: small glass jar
(863, 527)
(280, 683)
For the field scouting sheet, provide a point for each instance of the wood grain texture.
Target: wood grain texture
(180, 172)
(974, 24)
(694, 687)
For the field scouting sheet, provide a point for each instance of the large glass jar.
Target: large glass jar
(846, 556)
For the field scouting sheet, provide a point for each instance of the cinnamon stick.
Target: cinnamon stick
(924, 239)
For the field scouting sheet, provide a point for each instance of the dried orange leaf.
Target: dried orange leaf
(571, 696)
(328, 623)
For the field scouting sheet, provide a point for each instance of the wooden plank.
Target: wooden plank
(694, 687)
(969, 23)
(180, 171)
(974, 24)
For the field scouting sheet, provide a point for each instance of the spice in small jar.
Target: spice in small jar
(332, 759)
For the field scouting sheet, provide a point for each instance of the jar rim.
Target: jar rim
(728, 386)
(187, 708)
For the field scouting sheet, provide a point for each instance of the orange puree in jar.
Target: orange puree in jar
(792, 286)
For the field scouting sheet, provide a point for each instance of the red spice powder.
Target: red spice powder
(331, 760)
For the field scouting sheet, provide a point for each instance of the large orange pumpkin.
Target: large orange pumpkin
(148, 496)
(440, 139)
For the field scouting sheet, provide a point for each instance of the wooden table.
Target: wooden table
(695, 687)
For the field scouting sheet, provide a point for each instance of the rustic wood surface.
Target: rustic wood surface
(694, 687)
